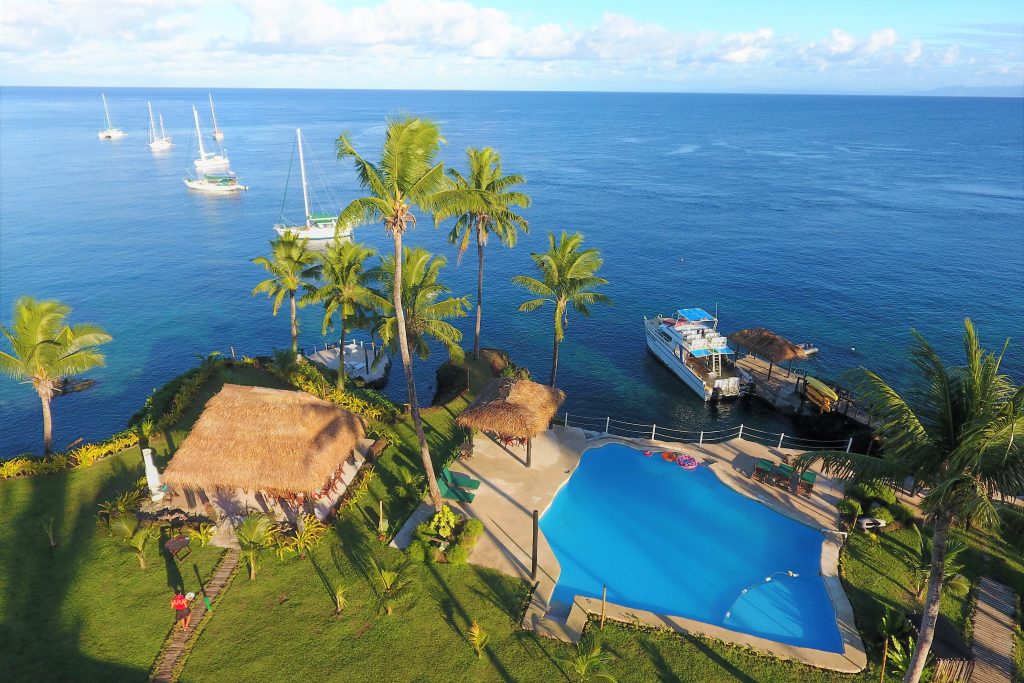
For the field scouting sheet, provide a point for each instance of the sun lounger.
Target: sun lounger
(806, 483)
(454, 492)
(460, 480)
(762, 469)
(782, 475)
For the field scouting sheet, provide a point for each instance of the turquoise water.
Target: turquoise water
(838, 220)
(681, 543)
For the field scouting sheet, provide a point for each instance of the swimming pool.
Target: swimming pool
(682, 543)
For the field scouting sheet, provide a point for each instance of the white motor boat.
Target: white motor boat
(689, 344)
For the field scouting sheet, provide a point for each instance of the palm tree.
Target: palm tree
(958, 434)
(498, 218)
(919, 559)
(343, 268)
(46, 349)
(425, 311)
(587, 660)
(407, 175)
(290, 265)
(255, 534)
(394, 586)
(568, 276)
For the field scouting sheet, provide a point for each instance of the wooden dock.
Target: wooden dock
(993, 633)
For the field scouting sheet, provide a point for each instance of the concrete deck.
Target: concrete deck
(509, 493)
(359, 360)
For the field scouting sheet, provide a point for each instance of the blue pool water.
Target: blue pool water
(681, 543)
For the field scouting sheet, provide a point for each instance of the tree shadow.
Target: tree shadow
(174, 580)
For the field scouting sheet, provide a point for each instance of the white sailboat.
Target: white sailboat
(221, 181)
(218, 134)
(157, 144)
(209, 162)
(110, 133)
(318, 226)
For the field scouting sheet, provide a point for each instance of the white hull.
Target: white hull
(317, 232)
(215, 188)
(161, 144)
(716, 388)
(110, 134)
(212, 164)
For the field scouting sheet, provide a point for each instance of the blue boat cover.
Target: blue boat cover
(695, 314)
(701, 353)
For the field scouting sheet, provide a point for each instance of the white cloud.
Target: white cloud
(951, 54)
(915, 51)
(881, 40)
(840, 42)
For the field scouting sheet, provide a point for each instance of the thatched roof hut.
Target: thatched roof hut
(767, 344)
(513, 408)
(277, 441)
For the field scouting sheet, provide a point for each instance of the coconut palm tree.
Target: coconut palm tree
(958, 433)
(498, 219)
(291, 264)
(406, 176)
(46, 349)
(425, 312)
(255, 534)
(567, 278)
(343, 268)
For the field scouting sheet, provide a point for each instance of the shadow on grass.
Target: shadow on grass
(174, 580)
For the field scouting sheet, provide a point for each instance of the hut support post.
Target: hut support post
(533, 563)
(529, 452)
(771, 364)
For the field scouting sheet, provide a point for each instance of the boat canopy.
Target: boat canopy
(702, 353)
(695, 315)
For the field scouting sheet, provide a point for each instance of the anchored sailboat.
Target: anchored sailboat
(218, 134)
(110, 133)
(318, 226)
(221, 180)
(157, 144)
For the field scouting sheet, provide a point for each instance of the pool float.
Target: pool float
(668, 455)
(687, 462)
(648, 453)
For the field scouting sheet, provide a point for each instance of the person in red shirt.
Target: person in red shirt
(181, 610)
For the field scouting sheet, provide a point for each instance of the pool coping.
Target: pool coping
(852, 659)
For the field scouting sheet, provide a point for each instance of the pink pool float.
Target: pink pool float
(687, 462)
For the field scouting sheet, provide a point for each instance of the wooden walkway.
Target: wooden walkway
(174, 651)
(993, 633)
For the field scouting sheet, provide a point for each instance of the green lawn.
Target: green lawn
(86, 612)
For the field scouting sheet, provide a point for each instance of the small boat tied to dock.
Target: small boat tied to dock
(689, 344)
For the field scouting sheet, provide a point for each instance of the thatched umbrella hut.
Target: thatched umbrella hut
(773, 347)
(287, 444)
(513, 408)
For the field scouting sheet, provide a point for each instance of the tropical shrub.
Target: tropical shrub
(17, 467)
(309, 534)
(133, 537)
(443, 522)
(457, 554)
(868, 492)
(82, 456)
(883, 514)
(585, 662)
(849, 509)
(1012, 520)
(902, 513)
(256, 533)
(392, 583)
(471, 531)
(478, 638)
(202, 534)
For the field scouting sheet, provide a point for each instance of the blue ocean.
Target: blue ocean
(843, 221)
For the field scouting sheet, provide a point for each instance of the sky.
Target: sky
(821, 46)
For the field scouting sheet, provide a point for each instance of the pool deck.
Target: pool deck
(509, 492)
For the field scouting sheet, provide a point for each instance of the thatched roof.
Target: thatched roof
(270, 440)
(767, 344)
(513, 407)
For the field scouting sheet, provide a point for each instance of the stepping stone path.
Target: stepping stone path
(993, 633)
(174, 648)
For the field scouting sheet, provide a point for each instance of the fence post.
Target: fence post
(654, 429)
(566, 418)
(740, 434)
(782, 435)
(849, 444)
(607, 423)
(700, 442)
(533, 564)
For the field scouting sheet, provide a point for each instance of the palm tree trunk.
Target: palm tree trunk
(341, 357)
(47, 425)
(295, 324)
(554, 348)
(930, 614)
(410, 381)
(479, 295)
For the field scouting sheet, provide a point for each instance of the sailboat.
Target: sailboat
(110, 133)
(318, 226)
(157, 144)
(218, 134)
(209, 162)
(222, 180)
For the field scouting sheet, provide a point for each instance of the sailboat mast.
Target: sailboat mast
(106, 111)
(152, 126)
(199, 134)
(162, 133)
(302, 168)
(213, 114)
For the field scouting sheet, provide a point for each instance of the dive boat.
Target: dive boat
(318, 226)
(218, 134)
(689, 343)
(157, 144)
(110, 133)
(216, 179)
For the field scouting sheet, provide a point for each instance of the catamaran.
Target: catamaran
(689, 343)
(110, 133)
(221, 180)
(218, 134)
(318, 226)
(157, 144)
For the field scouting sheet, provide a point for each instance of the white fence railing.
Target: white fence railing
(636, 430)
